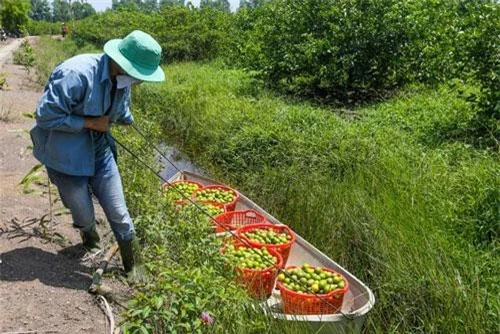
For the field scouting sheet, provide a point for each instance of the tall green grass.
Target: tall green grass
(393, 197)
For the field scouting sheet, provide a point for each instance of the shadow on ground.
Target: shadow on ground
(60, 269)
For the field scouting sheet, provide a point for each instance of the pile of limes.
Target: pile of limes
(213, 210)
(217, 195)
(268, 236)
(182, 190)
(308, 280)
(250, 258)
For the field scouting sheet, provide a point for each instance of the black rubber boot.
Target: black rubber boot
(91, 240)
(132, 261)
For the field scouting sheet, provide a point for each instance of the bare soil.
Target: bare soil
(44, 271)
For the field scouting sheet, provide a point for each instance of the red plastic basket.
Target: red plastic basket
(167, 185)
(259, 283)
(302, 303)
(231, 206)
(283, 249)
(235, 219)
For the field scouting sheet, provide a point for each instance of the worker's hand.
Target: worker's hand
(100, 124)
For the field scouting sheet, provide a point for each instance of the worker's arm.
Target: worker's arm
(54, 111)
(100, 124)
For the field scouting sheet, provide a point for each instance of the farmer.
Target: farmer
(84, 96)
(64, 29)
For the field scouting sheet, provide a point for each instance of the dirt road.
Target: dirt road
(43, 284)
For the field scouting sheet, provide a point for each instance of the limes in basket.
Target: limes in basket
(250, 258)
(217, 195)
(211, 209)
(268, 236)
(180, 190)
(322, 281)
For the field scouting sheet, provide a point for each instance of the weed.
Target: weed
(25, 56)
(6, 114)
(3, 80)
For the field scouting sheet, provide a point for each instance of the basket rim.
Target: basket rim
(245, 228)
(283, 288)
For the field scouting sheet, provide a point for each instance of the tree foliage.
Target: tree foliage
(349, 51)
(222, 5)
(61, 11)
(184, 33)
(40, 10)
(14, 14)
(251, 3)
(135, 5)
(43, 27)
(82, 10)
(171, 3)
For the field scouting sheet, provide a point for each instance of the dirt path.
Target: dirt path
(43, 285)
(7, 48)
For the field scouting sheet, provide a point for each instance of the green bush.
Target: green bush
(483, 52)
(184, 34)
(14, 15)
(24, 56)
(36, 28)
(350, 51)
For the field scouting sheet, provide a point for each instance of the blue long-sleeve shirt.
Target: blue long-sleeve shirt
(77, 88)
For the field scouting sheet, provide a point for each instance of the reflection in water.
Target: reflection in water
(180, 161)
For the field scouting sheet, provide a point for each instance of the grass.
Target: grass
(6, 114)
(3, 80)
(50, 52)
(396, 197)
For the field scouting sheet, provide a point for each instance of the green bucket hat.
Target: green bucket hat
(138, 54)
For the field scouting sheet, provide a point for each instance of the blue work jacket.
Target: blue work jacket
(77, 88)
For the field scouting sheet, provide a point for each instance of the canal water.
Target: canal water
(179, 160)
